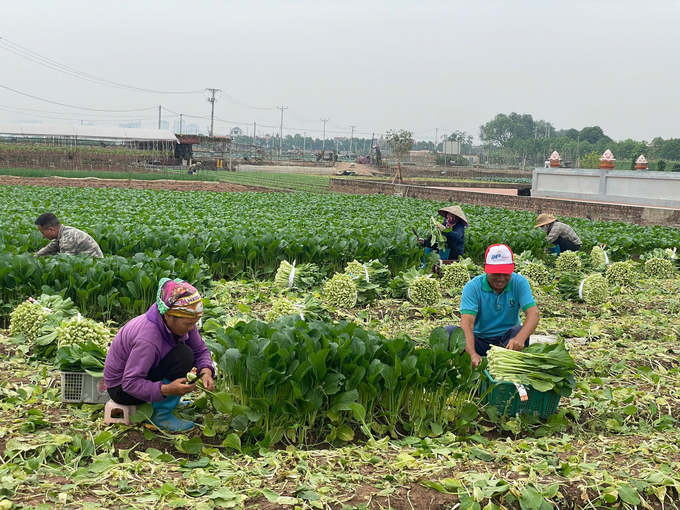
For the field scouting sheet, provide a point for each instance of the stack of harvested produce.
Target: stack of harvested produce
(341, 291)
(537, 272)
(454, 276)
(544, 367)
(594, 289)
(309, 309)
(424, 293)
(620, 273)
(598, 257)
(303, 276)
(27, 319)
(659, 268)
(371, 272)
(370, 279)
(568, 261)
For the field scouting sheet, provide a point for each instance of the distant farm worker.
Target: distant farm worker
(63, 239)
(453, 228)
(560, 234)
(150, 356)
(490, 307)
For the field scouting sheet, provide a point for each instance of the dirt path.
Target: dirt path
(92, 182)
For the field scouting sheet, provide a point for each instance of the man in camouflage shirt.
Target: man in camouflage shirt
(63, 239)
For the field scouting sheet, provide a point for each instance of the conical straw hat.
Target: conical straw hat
(456, 211)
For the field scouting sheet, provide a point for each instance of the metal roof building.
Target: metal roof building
(80, 132)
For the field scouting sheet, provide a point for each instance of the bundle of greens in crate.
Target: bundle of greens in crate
(544, 367)
(82, 346)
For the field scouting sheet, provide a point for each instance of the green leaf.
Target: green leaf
(144, 413)
(270, 495)
(233, 441)
(628, 494)
(222, 402)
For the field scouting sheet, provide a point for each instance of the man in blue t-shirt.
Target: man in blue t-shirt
(491, 304)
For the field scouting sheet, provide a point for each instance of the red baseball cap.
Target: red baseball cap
(499, 260)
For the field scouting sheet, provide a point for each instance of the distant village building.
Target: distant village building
(236, 131)
(193, 129)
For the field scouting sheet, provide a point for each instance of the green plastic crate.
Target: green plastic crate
(505, 397)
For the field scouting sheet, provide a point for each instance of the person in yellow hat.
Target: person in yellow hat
(454, 225)
(560, 234)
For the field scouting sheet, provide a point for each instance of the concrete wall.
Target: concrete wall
(570, 208)
(281, 169)
(660, 189)
(460, 184)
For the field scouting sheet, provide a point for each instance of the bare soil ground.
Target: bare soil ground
(92, 182)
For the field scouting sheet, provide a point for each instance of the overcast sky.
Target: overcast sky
(377, 65)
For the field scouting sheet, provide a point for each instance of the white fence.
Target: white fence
(661, 189)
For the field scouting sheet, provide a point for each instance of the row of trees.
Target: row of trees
(521, 136)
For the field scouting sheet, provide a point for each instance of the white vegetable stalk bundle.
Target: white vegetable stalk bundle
(620, 273)
(79, 330)
(27, 319)
(303, 276)
(370, 272)
(659, 268)
(454, 276)
(568, 261)
(538, 273)
(341, 291)
(594, 290)
(424, 291)
(598, 257)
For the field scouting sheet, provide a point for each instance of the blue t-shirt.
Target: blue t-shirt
(496, 313)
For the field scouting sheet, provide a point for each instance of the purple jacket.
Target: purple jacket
(139, 346)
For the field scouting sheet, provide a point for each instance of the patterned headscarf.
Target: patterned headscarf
(178, 298)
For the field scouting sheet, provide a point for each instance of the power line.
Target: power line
(237, 102)
(71, 106)
(56, 66)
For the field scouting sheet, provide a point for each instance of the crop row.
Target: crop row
(286, 182)
(248, 234)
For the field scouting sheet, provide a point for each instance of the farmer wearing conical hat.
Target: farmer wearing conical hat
(453, 228)
(150, 356)
(560, 234)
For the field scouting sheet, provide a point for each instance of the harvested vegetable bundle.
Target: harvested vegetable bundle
(437, 238)
(544, 367)
(537, 272)
(659, 268)
(304, 276)
(620, 273)
(82, 357)
(399, 286)
(27, 319)
(424, 291)
(82, 331)
(281, 307)
(341, 291)
(593, 290)
(598, 257)
(569, 285)
(369, 279)
(372, 272)
(454, 276)
(309, 309)
(568, 261)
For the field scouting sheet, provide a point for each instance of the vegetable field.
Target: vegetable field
(344, 397)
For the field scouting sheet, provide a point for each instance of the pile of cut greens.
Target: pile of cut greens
(87, 357)
(544, 367)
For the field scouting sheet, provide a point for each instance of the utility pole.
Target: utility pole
(323, 146)
(212, 100)
(254, 132)
(351, 140)
(159, 116)
(436, 133)
(180, 123)
(578, 159)
(282, 108)
(304, 142)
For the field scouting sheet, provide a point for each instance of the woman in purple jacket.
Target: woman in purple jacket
(151, 355)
